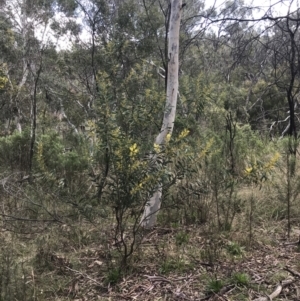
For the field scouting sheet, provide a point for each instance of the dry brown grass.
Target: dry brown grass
(171, 264)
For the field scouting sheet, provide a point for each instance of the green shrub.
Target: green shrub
(113, 276)
(234, 249)
(241, 279)
(181, 238)
(14, 151)
(214, 285)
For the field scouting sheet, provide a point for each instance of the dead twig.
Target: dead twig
(84, 275)
(277, 291)
(293, 272)
(157, 278)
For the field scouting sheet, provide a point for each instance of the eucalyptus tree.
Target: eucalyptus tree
(152, 207)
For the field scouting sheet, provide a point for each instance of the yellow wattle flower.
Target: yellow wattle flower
(133, 150)
(249, 170)
(207, 147)
(272, 162)
(156, 147)
(183, 134)
(168, 137)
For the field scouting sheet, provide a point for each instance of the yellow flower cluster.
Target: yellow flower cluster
(206, 149)
(156, 147)
(248, 170)
(183, 134)
(91, 129)
(168, 137)
(3, 81)
(137, 164)
(256, 169)
(116, 132)
(272, 162)
(133, 150)
(140, 185)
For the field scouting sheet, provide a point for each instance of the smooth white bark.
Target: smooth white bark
(152, 207)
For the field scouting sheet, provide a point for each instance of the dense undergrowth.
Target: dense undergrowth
(227, 198)
(78, 162)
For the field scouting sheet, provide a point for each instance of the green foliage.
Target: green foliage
(99, 108)
(279, 213)
(177, 265)
(226, 168)
(241, 279)
(113, 276)
(8, 37)
(234, 249)
(212, 250)
(49, 152)
(13, 275)
(214, 285)
(181, 238)
(53, 154)
(285, 182)
(196, 94)
(124, 171)
(14, 151)
(3, 80)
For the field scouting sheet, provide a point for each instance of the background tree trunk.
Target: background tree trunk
(152, 207)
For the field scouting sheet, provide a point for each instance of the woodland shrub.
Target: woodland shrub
(14, 275)
(59, 180)
(212, 174)
(281, 190)
(62, 159)
(14, 151)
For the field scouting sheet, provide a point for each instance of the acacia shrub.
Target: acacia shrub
(14, 151)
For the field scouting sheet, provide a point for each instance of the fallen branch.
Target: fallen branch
(277, 291)
(297, 243)
(293, 272)
(157, 278)
(85, 276)
(223, 291)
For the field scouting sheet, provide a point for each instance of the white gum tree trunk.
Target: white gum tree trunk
(153, 205)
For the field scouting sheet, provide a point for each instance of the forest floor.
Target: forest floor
(176, 264)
